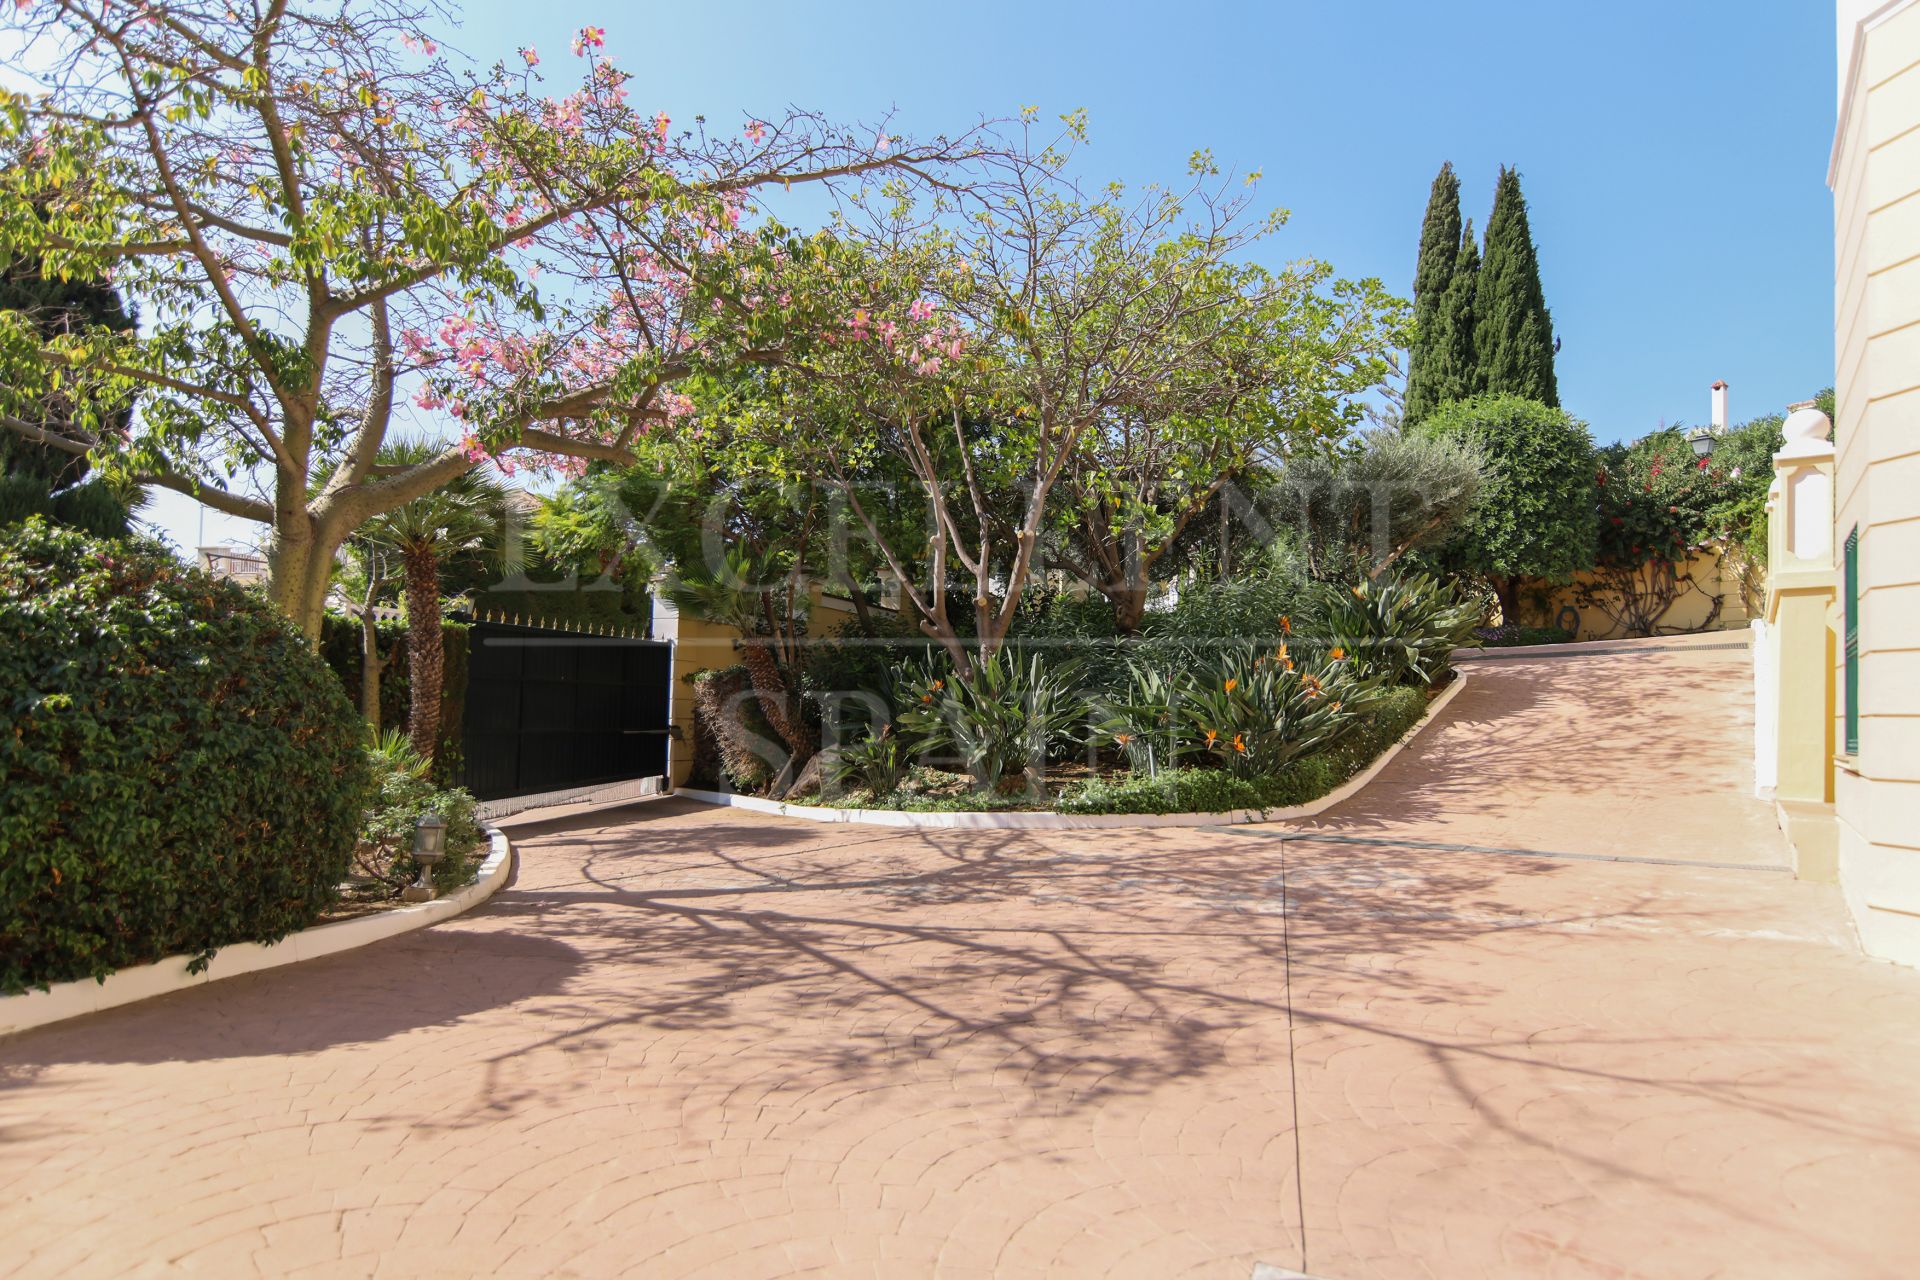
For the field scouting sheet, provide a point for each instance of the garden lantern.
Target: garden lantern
(429, 846)
(1702, 442)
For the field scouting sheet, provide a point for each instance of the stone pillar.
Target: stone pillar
(1801, 590)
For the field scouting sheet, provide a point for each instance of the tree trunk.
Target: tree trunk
(1507, 589)
(771, 688)
(1129, 607)
(862, 613)
(425, 657)
(372, 665)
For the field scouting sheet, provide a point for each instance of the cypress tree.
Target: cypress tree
(1454, 365)
(1513, 331)
(35, 478)
(1439, 247)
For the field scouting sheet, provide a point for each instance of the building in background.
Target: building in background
(235, 564)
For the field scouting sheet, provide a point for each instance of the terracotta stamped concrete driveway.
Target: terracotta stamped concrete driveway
(687, 1041)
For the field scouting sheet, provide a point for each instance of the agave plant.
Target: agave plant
(1401, 627)
(1001, 719)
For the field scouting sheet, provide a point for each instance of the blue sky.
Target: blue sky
(1673, 154)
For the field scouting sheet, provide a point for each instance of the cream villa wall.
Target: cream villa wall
(1875, 176)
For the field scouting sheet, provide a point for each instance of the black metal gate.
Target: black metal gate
(552, 710)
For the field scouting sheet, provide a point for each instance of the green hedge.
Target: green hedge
(340, 646)
(179, 771)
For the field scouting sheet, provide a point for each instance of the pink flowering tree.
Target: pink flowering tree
(328, 227)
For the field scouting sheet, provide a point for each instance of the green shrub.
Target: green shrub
(1305, 778)
(1255, 713)
(341, 648)
(403, 793)
(1400, 627)
(1169, 791)
(178, 771)
(1010, 715)
(1507, 635)
(1141, 722)
(852, 661)
(1210, 616)
(874, 763)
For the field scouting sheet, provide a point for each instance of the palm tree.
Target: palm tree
(741, 596)
(461, 518)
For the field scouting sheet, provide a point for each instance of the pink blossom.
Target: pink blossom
(428, 397)
(471, 447)
(920, 310)
(532, 56)
(660, 123)
(881, 142)
(756, 131)
(589, 38)
(420, 44)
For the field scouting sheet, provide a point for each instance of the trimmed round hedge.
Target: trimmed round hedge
(178, 769)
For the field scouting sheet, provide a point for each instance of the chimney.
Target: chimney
(1720, 405)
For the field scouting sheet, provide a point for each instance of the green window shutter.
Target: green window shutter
(1852, 637)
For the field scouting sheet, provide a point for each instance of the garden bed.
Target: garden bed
(1346, 773)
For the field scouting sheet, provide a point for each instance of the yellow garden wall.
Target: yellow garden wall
(1707, 578)
(704, 646)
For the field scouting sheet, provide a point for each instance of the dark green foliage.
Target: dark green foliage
(1004, 720)
(1508, 635)
(1745, 457)
(403, 792)
(340, 649)
(1400, 627)
(1453, 368)
(1302, 780)
(1253, 713)
(39, 479)
(874, 763)
(54, 307)
(178, 771)
(1535, 518)
(93, 507)
(1217, 614)
(23, 495)
(854, 662)
(1170, 791)
(1513, 332)
(1657, 500)
(1432, 276)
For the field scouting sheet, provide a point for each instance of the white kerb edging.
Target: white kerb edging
(87, 995)
(1084, 821)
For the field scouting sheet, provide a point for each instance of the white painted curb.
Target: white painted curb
(87, 995)
(1083, 821)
